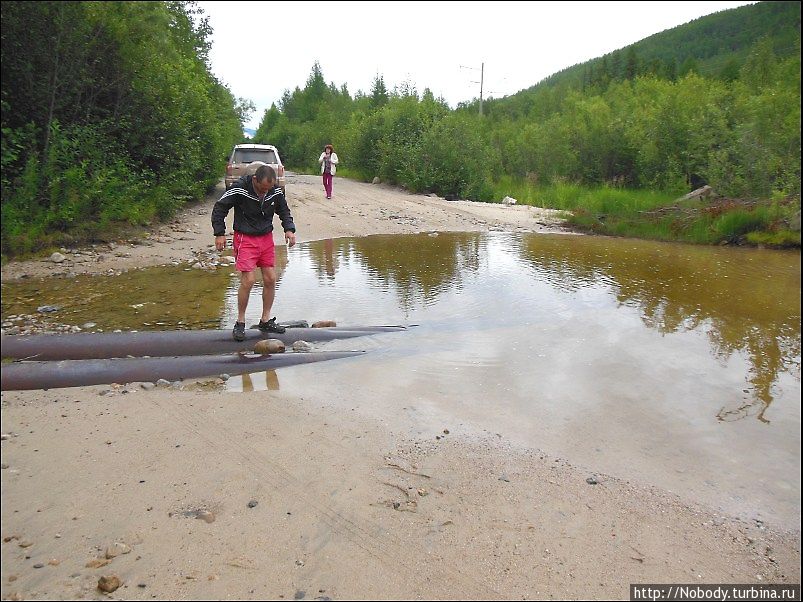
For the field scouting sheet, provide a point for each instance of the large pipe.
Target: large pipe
(89, 345)
(16, 376)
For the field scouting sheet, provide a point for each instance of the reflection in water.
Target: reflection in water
(744, 299)
(271, 381)
(418, 267)
(329, 258)
(636, 358)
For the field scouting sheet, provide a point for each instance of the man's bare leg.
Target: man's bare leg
(247, 280)
(268, 291)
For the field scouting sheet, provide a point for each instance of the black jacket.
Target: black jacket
(251, 216)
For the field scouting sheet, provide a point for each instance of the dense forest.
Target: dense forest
(110, 115)
(715, 101)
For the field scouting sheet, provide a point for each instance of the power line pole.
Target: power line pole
(482, 78)
(481, 82)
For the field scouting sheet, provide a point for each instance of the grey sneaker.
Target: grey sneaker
(271, 326)
(239, 331)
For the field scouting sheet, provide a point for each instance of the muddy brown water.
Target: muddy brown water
(161, 298)
(674, 365)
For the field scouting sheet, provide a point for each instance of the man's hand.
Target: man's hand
(290, 237)
(220, 243)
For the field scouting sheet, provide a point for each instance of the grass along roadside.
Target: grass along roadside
(652, 214)
(659, 215)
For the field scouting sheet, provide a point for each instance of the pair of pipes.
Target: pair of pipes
(73, 360)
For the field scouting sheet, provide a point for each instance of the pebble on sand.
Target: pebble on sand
(109, 583)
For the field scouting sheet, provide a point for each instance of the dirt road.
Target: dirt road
(357, 209)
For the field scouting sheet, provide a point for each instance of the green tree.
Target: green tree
(632, 63)
(761, 67)
(379, 93)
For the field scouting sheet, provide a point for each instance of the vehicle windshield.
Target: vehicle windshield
(249, 155)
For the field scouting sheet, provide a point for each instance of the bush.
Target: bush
(453, 160)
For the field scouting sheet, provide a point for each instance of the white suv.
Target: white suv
(246, 158)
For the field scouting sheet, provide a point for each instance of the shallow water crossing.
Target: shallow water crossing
(674, 365)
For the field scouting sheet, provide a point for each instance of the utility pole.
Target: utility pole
(482, 79)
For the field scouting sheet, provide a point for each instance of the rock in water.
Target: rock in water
(269, 346)
(324, 324)
(47, 309)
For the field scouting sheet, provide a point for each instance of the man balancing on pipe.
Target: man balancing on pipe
(255, 200)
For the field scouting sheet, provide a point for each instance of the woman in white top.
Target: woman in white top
(328, 161)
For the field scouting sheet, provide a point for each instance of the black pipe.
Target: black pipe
(95, 345)
(25, 375)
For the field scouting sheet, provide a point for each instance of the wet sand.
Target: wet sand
(202, 493)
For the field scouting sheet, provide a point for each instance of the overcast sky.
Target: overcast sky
(261, 49)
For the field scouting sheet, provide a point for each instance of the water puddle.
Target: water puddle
(675, 364)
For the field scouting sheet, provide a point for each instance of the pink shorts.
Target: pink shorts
(253, 251)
